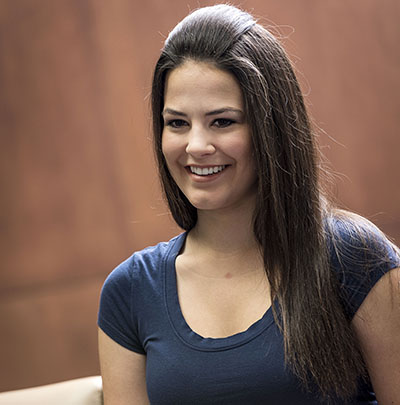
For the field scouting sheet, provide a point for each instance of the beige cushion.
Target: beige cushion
(82, 391)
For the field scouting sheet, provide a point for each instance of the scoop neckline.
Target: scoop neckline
(178, 322)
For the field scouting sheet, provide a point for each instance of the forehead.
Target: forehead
(202, 82)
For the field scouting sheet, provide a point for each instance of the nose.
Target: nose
(199, 143)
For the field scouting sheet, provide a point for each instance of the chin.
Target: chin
(208, 205)
(204, 204)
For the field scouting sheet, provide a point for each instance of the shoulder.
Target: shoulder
(367, 266)
(144, 264)
(360, 254)
(131, 292)
(353, 239)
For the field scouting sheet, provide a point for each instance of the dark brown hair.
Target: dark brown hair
(290, 215)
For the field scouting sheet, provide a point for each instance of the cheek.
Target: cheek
(171, 149)
(166, 147)
(242, 150)
(244, 154)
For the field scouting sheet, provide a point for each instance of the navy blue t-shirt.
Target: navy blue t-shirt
(139, 309)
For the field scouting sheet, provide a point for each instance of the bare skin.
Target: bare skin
(123, 373)
(222, 287)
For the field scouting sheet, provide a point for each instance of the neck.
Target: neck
(226, 232)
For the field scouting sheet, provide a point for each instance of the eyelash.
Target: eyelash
(173, 123)
(219, 123)
(224, 122)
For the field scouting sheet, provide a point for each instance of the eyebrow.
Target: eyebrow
(214, 112)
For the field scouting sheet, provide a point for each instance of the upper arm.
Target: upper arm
(123, 372)
(377, 326)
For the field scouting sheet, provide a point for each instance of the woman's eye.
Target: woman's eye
(176, 123)
(223, 122)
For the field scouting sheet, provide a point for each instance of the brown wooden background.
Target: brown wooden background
(78, 189)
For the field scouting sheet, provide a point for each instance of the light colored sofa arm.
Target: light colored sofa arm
(82, 391)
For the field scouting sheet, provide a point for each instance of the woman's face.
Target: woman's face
(206, 139)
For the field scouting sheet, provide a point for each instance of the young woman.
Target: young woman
(270, 296)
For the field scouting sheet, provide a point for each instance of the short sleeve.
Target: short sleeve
(360, 255)
(115, 317)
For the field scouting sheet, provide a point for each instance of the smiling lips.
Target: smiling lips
(206, 171)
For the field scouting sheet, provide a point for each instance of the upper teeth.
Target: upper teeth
(203, 171)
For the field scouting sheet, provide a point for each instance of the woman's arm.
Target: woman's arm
(377, 326)
(123, 373)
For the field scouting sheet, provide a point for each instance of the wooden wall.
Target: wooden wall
(79, 191)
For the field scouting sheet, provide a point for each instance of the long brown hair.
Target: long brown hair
(290, 214)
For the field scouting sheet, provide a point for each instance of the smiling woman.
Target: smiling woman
(206, 139)
(271, 295)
